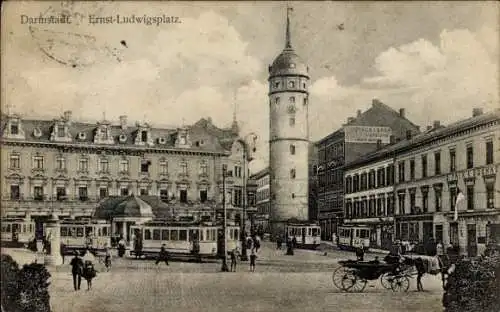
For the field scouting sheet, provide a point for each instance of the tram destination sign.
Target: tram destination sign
(362, 134)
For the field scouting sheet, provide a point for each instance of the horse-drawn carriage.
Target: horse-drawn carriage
(353, 275)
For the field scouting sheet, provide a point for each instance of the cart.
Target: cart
(353, 275)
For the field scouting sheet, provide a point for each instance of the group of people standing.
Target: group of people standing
(83, 267)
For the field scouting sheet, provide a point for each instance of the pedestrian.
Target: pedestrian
(89, 272)
(235, 253)
(257, 243)
(121, 247)
(278, 243)
(76, 270)
(294, 242)
(253, 257)
(107, 259)
(163, 255)
(360, 253)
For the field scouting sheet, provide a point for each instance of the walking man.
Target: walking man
(234, 257)
(163, 255)
(77, 270)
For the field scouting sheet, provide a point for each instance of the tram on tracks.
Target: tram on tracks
(192, 240)
(80, 235)
(17, 232)
(307, 235)
(352, 237)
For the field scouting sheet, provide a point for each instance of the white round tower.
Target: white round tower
(288, 136)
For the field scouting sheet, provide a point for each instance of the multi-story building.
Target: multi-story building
(262, 199)
(288, 136)
(434, 167)
(369, 196)
(359, 136)
(66, 166)
(426, 173)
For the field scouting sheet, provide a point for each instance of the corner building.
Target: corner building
(289, 136)
(69, 167)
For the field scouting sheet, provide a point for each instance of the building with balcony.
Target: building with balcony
(262, 199)
(365, 133)
(68, 167)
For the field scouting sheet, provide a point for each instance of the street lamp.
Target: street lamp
(247, 157)
(224, 255)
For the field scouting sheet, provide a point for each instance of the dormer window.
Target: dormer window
(292, 65)
(144, 136)
(60, 131)
(37, 132)
(14, 129)
(103, 134)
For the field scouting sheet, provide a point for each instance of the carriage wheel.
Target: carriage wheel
(353, 283)
(338, 276)
(400, 283)
(386, 280)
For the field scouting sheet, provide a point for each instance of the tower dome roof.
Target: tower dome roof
(288, 62)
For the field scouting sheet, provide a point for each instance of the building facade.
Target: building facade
(67, 167)
(369, 198)
(426, 173)
(289, 136)
(262, 199)
(360, 136)
(435, 167)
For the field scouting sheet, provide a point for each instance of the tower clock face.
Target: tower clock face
(291, 109)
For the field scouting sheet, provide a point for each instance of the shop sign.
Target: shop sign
(473, 173)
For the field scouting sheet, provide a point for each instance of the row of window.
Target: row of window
(382, 177)
(370, 208)
(332, 179)
(437, 162)
(330, 152)
(103, 165)
(291, 85)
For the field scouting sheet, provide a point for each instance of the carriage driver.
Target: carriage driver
(394, 255)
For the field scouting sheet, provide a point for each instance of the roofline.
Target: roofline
(440, 133)
(260, 173)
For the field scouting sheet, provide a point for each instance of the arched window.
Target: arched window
(291, 84)
(305, 101)
(292, 99)
(292, 149)
(292, 173)
(277, 100)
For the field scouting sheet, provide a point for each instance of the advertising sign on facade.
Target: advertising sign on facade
(361, 134)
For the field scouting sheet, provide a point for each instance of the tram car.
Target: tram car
(307, 236)
(352, 237)
(80, 235)
(17, 232)
(192, 240)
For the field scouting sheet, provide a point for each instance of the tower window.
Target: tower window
(291, 84)
(292, 121)
(292, 149)
(292, 173)
(292, 99)
(304, 85)
(277, 100)
(276, 85)
(305, 101)
(293, 195)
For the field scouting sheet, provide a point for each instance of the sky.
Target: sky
(437, 60)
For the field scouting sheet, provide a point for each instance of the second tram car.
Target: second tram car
(80, 235)
(17, 232)
(351, 237)
(307, 236)
(181, 239)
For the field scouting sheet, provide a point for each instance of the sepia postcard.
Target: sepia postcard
(250, 156)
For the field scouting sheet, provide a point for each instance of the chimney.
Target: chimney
(402, 112)
(358, 113)
(123, 121)
(477, 112)
(375, 102)
(350, 119)
(408, 134)
(67, 115)
(437, 124)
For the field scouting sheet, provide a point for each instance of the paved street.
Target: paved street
(293, 283)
